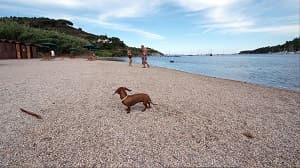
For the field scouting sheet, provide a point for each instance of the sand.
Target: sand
(199, 121)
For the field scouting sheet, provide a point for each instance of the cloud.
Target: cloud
(106, 8)
(121, 27)
(240, 16)
(288, 29)
(225, 16)
(196, 5)
(46, 3)
(217, 15)
(104, 13)
(128, 9)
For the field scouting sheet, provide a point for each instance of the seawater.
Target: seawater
(275, 70)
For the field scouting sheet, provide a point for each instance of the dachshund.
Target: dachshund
(130, 100)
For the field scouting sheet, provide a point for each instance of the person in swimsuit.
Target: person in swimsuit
(144, 57)
(129, 56)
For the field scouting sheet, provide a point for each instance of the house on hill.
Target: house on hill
(10, 49)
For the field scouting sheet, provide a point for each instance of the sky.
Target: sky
(174, 26)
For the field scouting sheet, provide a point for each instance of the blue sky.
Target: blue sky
(174, 26)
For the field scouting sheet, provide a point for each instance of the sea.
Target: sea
(273, 70)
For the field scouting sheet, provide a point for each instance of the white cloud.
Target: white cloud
(121, 27)
(229, 16)
(108, 9)
(233, 16)
(127, 9)
(100, 12)
(288, 29)
(196, 5)
(216, 15)
(47, 3)
(226, 20)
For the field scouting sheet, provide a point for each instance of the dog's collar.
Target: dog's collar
(124, 98)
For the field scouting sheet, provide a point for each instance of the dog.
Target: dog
(130, 100)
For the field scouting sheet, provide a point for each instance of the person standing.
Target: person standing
(129, 56)
(52, 53)
(144, 57)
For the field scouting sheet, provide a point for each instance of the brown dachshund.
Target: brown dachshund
(130, 100)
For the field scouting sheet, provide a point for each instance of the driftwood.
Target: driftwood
(31, 113)
(248, 134)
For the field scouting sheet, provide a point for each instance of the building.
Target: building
(10, 49)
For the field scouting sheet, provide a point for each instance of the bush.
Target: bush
(22, 33)
(110, 53)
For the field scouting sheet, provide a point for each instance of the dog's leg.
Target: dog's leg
(128, 109)
(149, 106)
(145, 104)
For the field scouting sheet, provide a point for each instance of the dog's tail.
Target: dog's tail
(152, 103)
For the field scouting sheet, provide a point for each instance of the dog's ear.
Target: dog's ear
(117, 91)
(127, 89)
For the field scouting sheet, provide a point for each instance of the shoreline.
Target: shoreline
(199, 120)
(121, 59)
(245, 82)
(112, 59)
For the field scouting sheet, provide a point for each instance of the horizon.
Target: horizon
(175, 26)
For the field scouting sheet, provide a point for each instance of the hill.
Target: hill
(62, 33)
(288, 46)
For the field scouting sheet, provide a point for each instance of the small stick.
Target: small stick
(248, 134)
(31, 113)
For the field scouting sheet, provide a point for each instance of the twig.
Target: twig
(248, 134)
(31, 113)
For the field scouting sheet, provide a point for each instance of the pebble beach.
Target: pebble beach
(198, 121)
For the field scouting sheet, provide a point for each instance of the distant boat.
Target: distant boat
(172, 61)
(210, 54)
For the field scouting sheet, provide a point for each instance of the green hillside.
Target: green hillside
(288, 46)
(62, 33)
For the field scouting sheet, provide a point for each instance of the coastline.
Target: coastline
(199, 120)
(220, 78)
(284, 83)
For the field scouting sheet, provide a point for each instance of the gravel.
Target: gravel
(199, 121)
